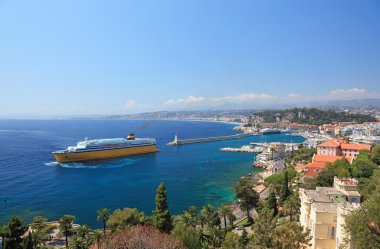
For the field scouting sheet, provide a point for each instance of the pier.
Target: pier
(177, 141)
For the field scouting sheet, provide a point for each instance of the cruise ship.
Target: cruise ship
(106, 148)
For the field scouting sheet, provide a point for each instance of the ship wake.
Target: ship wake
(110, 164)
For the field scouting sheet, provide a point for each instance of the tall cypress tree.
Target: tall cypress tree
(285, 192)
(271, 202)
(161, 216)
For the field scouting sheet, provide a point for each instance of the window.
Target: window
(332, 232)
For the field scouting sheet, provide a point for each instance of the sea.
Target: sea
(32, 183)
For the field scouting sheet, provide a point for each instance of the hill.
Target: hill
(312, 116)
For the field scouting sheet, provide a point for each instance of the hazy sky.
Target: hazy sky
(113, 57)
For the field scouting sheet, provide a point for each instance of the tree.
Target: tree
(216, 236)
(3, 234)
(291, 205)
(210, 216)
(263, 230)
(95, 238)
(190, 216)
(362, 166)
(375, 155)
(188, 235)
(122, 219)
(243, 240)
(29, 242)
(363, 224)
(224, 212)
(39, 222)
(290, 235)
(231, 241)
(103, 215)
(15, 231)
(271, 202)
(285, 191)
(247, 197)
(66, 224)
(161, 216)
(340, 168)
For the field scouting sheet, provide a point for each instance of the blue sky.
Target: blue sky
(113, 57)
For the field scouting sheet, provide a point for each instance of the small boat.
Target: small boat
(106, 148)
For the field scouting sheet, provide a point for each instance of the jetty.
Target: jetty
(178, 141)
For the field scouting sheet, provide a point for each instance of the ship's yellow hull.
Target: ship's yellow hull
(102, 154)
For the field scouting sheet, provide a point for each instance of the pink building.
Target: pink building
(341, 148)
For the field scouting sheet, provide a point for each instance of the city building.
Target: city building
(338, 147)
(323, 212)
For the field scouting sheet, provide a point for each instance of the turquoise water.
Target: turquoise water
(195, 174)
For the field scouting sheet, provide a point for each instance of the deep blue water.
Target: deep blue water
(195, 174)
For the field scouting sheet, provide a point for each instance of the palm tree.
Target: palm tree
(96, 236)
(203, 238)
(82, 231)
(191, 216)
(216, 236)
(291, 205)
(224, 212)
(202, 218)
(231, 218)
(66, 223)
(103, 215)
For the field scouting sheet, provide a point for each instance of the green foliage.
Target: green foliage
(161, 216)
(375, 155)
(275, 181)
(263, 230)
(313, 116)
(3, 234)
(15, 230)
(368, 186)
(243, 240)
(246, 196)
(290, 235)
(122, 219)
(287, 235)
(211, 216)
(363, 225)
(302, 155)
(363, 166)
(103, 215)
(231, 241)
(285, 191)
(225, 212)
(216, 236)
(29, 242)
(66, 223)
(292, 205)
(340, 168)
(271, 202)
(188, 235)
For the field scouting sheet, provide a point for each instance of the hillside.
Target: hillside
(312, 116)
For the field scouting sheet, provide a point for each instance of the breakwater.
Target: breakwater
(178, 141)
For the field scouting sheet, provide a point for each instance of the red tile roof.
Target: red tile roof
(319, 165)
(356, 147)
(300, 167)
(312, 172)
(331, 143)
